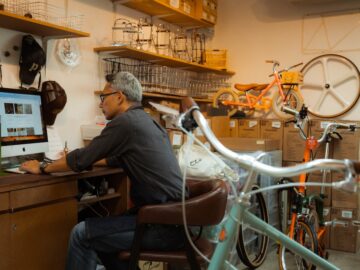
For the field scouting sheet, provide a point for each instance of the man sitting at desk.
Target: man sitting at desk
(135, 142)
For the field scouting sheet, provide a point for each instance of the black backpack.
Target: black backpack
(32, 59)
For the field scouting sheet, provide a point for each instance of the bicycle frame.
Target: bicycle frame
(239, 212)
(311, 143)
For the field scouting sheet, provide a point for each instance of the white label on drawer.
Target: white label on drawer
(260, 142)
(346, 214)
(177, 139)
(232, 123)
(187, 8)
(175, 3)
(326, 212)
(276, 124)
(253, 123)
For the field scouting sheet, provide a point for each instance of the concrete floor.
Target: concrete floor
(343, 260)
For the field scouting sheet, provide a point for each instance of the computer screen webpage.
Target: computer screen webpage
(21, 119)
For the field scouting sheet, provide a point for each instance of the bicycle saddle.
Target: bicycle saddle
(252, 86)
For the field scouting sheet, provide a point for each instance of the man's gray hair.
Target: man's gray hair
(128, 84)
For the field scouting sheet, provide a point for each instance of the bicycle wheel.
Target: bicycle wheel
(331, 85)
(305, 235)
(251, 245)
(293, 100)
(226, 95)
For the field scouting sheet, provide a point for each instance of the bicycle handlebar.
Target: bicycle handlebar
(330, 127)
(349, 168)
(276, 63)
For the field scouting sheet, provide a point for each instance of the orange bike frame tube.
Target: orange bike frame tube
(321, 232)
(256, 100)
(292, 225)
(278, 82)
(263, 92)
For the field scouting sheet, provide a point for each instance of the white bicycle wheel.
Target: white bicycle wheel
(226, 94)
(331, 85)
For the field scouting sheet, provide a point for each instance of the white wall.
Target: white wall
(256, 30)
(79, 82)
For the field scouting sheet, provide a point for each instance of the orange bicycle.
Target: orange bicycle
(307, 225)
(247, 98)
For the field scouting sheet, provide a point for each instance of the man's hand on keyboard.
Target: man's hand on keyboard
(31, 166)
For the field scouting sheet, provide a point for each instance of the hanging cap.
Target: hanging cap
(32, 59)
(54, 100)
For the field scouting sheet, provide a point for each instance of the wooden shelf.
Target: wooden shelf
(164, 96)
(100, 198)
(128, 52)
(32, 26)
(165, 12)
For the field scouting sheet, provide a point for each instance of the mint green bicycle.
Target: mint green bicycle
(240, 214)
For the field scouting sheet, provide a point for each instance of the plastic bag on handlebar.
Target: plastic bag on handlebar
(200, 165)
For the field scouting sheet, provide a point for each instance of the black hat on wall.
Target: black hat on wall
(32, 59)
(53, 100)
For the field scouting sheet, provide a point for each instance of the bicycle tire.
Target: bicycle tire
(254, 260)
(226, 94)
(331, 85)
(293, 100)
(291, 262)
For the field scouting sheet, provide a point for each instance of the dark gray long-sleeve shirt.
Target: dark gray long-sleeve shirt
(135, 142)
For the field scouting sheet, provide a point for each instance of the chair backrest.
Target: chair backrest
(205, 206)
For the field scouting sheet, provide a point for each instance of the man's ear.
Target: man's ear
(121, 98)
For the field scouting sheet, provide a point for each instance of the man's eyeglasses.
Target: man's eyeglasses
(103, 96)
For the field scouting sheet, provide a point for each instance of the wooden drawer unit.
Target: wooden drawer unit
(42, 194)
(4, 201)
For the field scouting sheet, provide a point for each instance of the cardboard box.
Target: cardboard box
(176, 137)
(220, 126)
(272, 129)
(341, 198)
(348, 147)
(344, 213)
(234, 128)
(317, 126)
(250, 144)
(249, 128)
(346, 236)
(293, 143)
(317, 177)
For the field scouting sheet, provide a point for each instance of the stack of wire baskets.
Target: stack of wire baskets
(167, 80)
(43, 11)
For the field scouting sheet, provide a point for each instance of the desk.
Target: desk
(37, 213)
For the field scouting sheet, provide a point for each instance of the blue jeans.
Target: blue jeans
(86, 244)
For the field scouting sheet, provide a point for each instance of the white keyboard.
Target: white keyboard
(15, 170)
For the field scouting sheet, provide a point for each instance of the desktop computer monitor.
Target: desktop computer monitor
(23, 131)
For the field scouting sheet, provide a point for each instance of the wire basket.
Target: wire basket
(167, 80)
(292, 77)
(42, 11)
